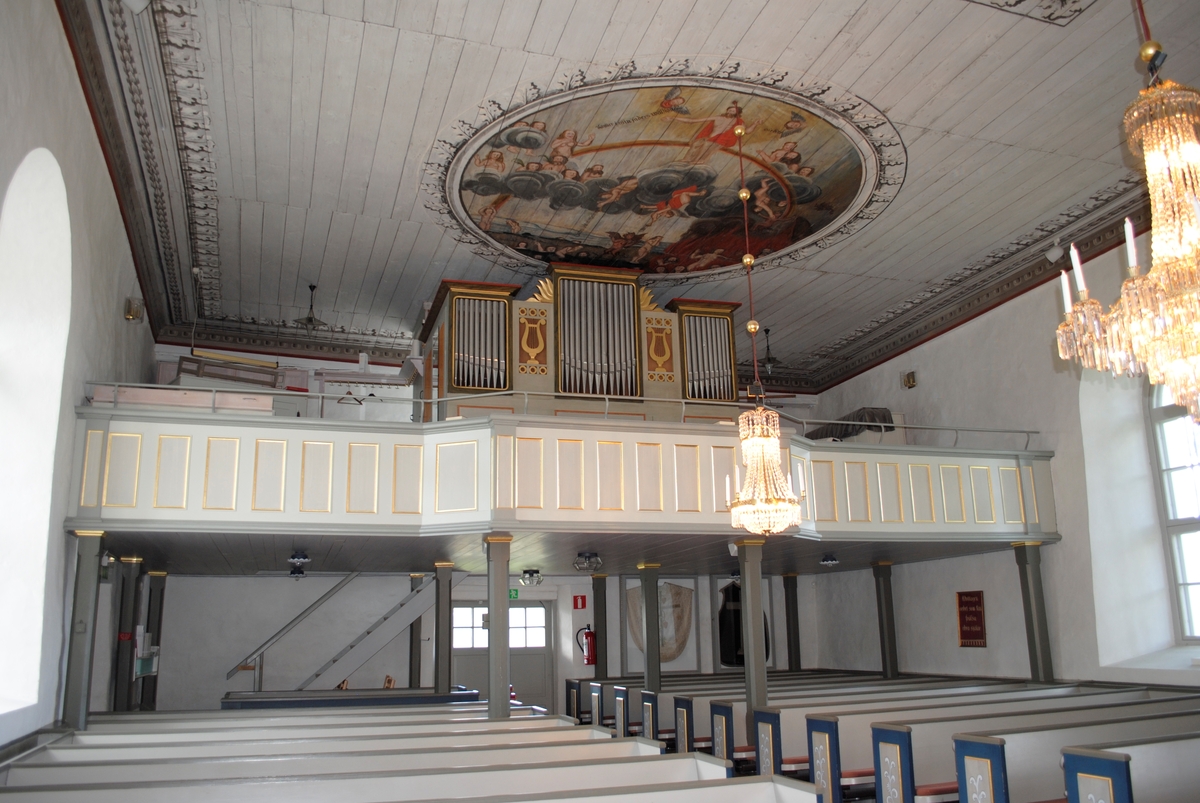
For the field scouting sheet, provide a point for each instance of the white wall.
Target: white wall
(847, 622)
(42, 105)
(1106, 582)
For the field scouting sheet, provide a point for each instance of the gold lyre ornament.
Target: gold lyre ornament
(532, 351)
(658, 346)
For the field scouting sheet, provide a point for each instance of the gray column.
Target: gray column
(600, 623)
(498, 548)
(414, 641)
(1037, 633)
(154, 613)
(441, 630)
(131, 568)
(887, 618)
(650, 635)
(791, 599)
(754, 644)
(78, 685)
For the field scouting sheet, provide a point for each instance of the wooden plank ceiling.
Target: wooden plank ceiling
(324, 114)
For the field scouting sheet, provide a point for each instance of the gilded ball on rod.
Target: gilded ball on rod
(748, 260)
(1149, 50)
(739, 130)
(744, 194)
(752, 326)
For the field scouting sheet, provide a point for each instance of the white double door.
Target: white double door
(531, 670)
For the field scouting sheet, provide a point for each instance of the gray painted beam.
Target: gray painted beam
(1037, 631)
(600, 623)
(414, 642)
(653, 672)
(498, 549)
(123, 689)
(441, 629)
(78, 685)
(889, 657)
(754, 642)
(791, 601)
(154, 618)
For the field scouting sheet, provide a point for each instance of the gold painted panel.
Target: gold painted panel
(270, 475)
(570, 474)
(649, 476)
(1012, 501)
(824, 491)
(954, 507)
(800, 486)
(724, 469)
(93, 450)
(530, 478)
(456, 477)
(316, 477)
(121, 469)
(504, 472)
(920, 479)
(171, 471)
(610, 475)
(981, 488)
(891, 505)
(408, 477)
(687, 478)
(362, 478)
(1031, 495)
(858, 491)
(220, 474)
(1094, 787)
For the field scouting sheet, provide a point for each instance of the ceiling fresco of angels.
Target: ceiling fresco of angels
(648, 178)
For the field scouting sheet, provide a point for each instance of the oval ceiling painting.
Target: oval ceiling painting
(648, 177)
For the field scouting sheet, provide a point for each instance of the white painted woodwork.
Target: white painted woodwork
(535, 474)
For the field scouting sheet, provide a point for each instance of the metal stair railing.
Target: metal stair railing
(351, 657)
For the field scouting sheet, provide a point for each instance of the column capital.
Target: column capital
(416, 575)
(1016, 544)
(498, 539)
(599, 576)
(881, 563)
(649, 566)
(131, 560)
(89, 533)
(790, 574)
(443, 564)
(741, 542)
(157, 574)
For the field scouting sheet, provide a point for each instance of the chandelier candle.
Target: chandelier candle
(1130, 247)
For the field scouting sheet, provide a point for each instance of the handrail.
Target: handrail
(526, 394)
(283, 631)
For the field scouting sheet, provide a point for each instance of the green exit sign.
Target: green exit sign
(513, 592)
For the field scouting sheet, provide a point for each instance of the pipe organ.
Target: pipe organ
(585, 332)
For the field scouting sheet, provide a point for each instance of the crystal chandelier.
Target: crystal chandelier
(765, 504)
(1154, 328)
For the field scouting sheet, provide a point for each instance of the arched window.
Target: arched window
(1177, 440)
(35, 315)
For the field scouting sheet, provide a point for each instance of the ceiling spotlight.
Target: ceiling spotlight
(299, 559)
(587, 562)
(297, 572)
(531, 577)
(829, 560)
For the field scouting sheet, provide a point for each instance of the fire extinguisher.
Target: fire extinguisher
(588, 644)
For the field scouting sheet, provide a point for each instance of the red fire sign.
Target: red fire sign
(580, 602)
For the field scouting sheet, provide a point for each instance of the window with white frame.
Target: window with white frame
(1177, 439)
(526, 627)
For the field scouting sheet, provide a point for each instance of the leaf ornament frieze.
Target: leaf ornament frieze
(459, 181)
(1055, 12)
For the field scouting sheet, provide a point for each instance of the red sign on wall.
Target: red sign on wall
(971, 630)
(580, 601)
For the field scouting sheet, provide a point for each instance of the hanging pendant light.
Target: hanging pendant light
(766, 503)
(1154, 328)
(311, 321)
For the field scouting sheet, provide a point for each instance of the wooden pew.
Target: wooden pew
(319, 731)
(1160, 769)
(517, 780)
(301, 717)
(928, 739)
(315, 762)
(57, 752)
(748, 789)
(840, 738)
(1026, 761)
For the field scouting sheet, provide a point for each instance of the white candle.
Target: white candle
(1130, 245)
(1066, 291)
(727, 496)
(1080, 284)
